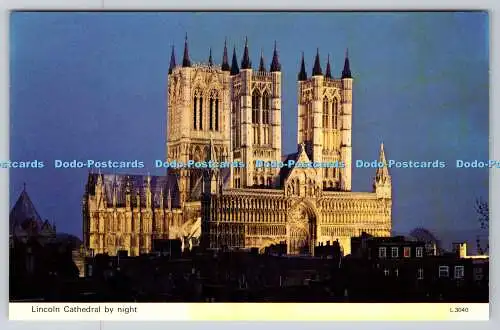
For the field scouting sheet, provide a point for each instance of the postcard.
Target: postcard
(316, 159)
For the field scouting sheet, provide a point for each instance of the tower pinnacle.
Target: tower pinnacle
(210, 61)
(234, 65)
(328, 73)
(262, 68)
(186, 62)
(225, 59)
(172, 60)
(346, 73)
(275, 64)
(317, 65)
(302, 73)
(245, 61)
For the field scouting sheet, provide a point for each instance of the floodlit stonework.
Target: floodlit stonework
(227, 113)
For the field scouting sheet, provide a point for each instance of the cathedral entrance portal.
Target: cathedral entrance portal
(301, 232)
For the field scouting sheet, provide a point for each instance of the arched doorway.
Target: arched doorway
(301, 231)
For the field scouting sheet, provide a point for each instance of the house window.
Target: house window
(420, 274)
(443, 271)
(386, 272)
(478, 274)
(394, 252)
(420, 252)
(396, 272)
(459, 271)
(407, 252)
(381, 252)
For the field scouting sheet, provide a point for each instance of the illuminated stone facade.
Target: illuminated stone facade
(233, 114)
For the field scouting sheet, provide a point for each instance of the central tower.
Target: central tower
(256, 125)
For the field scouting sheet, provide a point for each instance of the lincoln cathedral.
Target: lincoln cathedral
(232, 112)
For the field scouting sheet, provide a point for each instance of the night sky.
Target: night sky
(93, 86)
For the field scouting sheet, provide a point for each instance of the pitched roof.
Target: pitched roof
(136, 184)
(24, 211)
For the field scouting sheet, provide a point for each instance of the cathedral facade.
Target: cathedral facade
(231, 114)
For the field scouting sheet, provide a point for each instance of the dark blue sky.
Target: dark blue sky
(93, 86)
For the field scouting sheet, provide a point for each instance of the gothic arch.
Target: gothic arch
(301, 227)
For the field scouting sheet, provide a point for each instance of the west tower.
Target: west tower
(198, 117)
(325, 120)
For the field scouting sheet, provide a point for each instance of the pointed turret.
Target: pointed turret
(317, 65)
(234, 65)
(302, 73)
(225, 59)
(148, 192)
(328, 73)
(186, 62)
(172, 61)
(262, 68)
(382, 173)
(128, 201)
(346, 73)
(210, 61)
(245, 61)
(275, 64)
(115, 192)
(382, 182)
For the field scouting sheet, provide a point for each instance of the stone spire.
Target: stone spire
(245, 61)
(382, 185)
(328, 73)
(186, 62)
(262, 68)
(234, 65)
(302, 73)
(225, 59)
(210, 61)
(275, 64)
(346, 73)
(382, 174)
(317, 65)
(172, 61)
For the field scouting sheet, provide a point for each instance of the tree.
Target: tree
(483, 212)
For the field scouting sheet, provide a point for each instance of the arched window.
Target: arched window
(217, 114)
(335, 112)
(214, 110)
(211, 114)
(255, 107)
(309, 120)
(195, 100)
(200, 126)
(325, 112)
(266, 109)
